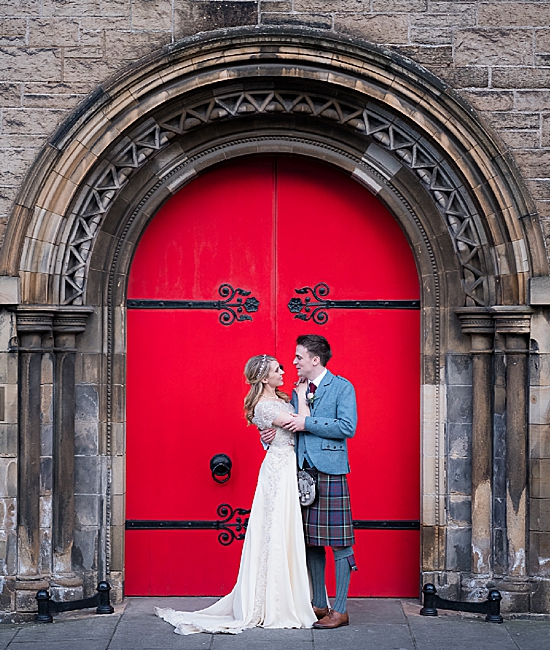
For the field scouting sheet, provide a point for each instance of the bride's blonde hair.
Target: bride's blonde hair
(255, 371)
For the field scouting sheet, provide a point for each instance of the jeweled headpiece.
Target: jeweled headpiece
(263, 365)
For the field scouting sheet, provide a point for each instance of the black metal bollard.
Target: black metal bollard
(493, 607)
(47, 607)
(104, 607)
(43, 599)
(429, 592)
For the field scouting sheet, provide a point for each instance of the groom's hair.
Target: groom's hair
(317, 346)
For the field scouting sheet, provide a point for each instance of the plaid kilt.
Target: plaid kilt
(328, 521)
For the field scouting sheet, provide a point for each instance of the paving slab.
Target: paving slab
(377, 636)
(261, 639)
(152, 634)
(92, 627)
(530, 635)
(450, 633)
(6, 635)
(375, 624)
(376, 610)
(87, 644)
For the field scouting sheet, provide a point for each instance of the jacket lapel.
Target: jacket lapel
(323, 387)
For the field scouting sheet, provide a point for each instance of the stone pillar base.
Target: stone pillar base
(447, 583)
(475, 587)
(65, 588)
(516, 594)
(116, 581)
(540, 595)
(25, 593)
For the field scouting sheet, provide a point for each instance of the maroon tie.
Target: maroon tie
(312, 387)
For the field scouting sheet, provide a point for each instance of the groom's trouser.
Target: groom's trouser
(328, 522)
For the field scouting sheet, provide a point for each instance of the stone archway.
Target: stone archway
(385, 121)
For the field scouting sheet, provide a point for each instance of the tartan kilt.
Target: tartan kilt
(328, 521)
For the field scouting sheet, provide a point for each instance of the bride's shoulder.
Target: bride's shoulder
(272, 405)
(266, 405)
(266, 411)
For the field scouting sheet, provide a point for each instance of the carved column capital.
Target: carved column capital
(514, 322)
(67, 323)
(35, 318)
(71, 320)
(478, 323)
(32, 323)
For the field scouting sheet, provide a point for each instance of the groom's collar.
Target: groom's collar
(317, 381)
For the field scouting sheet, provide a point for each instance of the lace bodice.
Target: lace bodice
(264, 414)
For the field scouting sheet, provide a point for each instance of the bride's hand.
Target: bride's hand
(297, 423)
(267, 436)
(301, 388)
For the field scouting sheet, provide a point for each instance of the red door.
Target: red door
(213, 282)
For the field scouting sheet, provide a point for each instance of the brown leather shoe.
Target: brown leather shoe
(331, 620)
(320, 612)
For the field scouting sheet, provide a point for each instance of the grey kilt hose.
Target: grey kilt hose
(328, 521)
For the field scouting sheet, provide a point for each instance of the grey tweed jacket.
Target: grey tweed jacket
(332, 421)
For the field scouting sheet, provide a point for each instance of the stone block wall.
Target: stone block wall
(8, 454)
(459, 464)
(53, 53)
(539, 412)
(495, 54)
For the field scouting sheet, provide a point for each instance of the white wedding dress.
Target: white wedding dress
(272, 588)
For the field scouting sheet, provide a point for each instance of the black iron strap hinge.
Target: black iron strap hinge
(230, 531)
(314, 305)
(234, 307)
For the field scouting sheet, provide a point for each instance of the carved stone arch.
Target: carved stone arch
(388, 123)
(372, 92)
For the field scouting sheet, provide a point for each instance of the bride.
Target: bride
(272, 588)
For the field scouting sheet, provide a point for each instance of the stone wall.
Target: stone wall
(496, 54)
(53, 53)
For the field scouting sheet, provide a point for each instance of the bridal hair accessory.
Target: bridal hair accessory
(262, 365)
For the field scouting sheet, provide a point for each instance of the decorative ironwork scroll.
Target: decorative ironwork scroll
(227, 534)
(233, 308)
(229, 530)
(313, 306)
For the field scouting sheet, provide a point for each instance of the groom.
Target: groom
(321, 444)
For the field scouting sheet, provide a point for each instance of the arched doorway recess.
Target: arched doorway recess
(377, 117)
(292, 234)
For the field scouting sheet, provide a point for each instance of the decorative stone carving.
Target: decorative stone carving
(409, 147)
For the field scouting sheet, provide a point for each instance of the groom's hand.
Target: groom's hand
(298, 423)
(267, 436)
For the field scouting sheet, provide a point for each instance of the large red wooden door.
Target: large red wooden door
(266, 226)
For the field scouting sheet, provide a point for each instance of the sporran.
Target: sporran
(307, 486)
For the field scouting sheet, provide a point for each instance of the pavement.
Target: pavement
(377, 624)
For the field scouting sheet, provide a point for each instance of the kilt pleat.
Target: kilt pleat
(328, 521)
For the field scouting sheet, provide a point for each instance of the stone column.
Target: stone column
(513, 324)
(33, 324)
(66, 325)
(478, 323)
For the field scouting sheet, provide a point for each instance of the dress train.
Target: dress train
(272, 588)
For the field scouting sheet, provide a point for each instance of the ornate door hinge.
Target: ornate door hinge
(233, 308)
(229, 530)
(313, 307)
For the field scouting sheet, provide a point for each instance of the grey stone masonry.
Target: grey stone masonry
(459, 464)
(495, 54)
